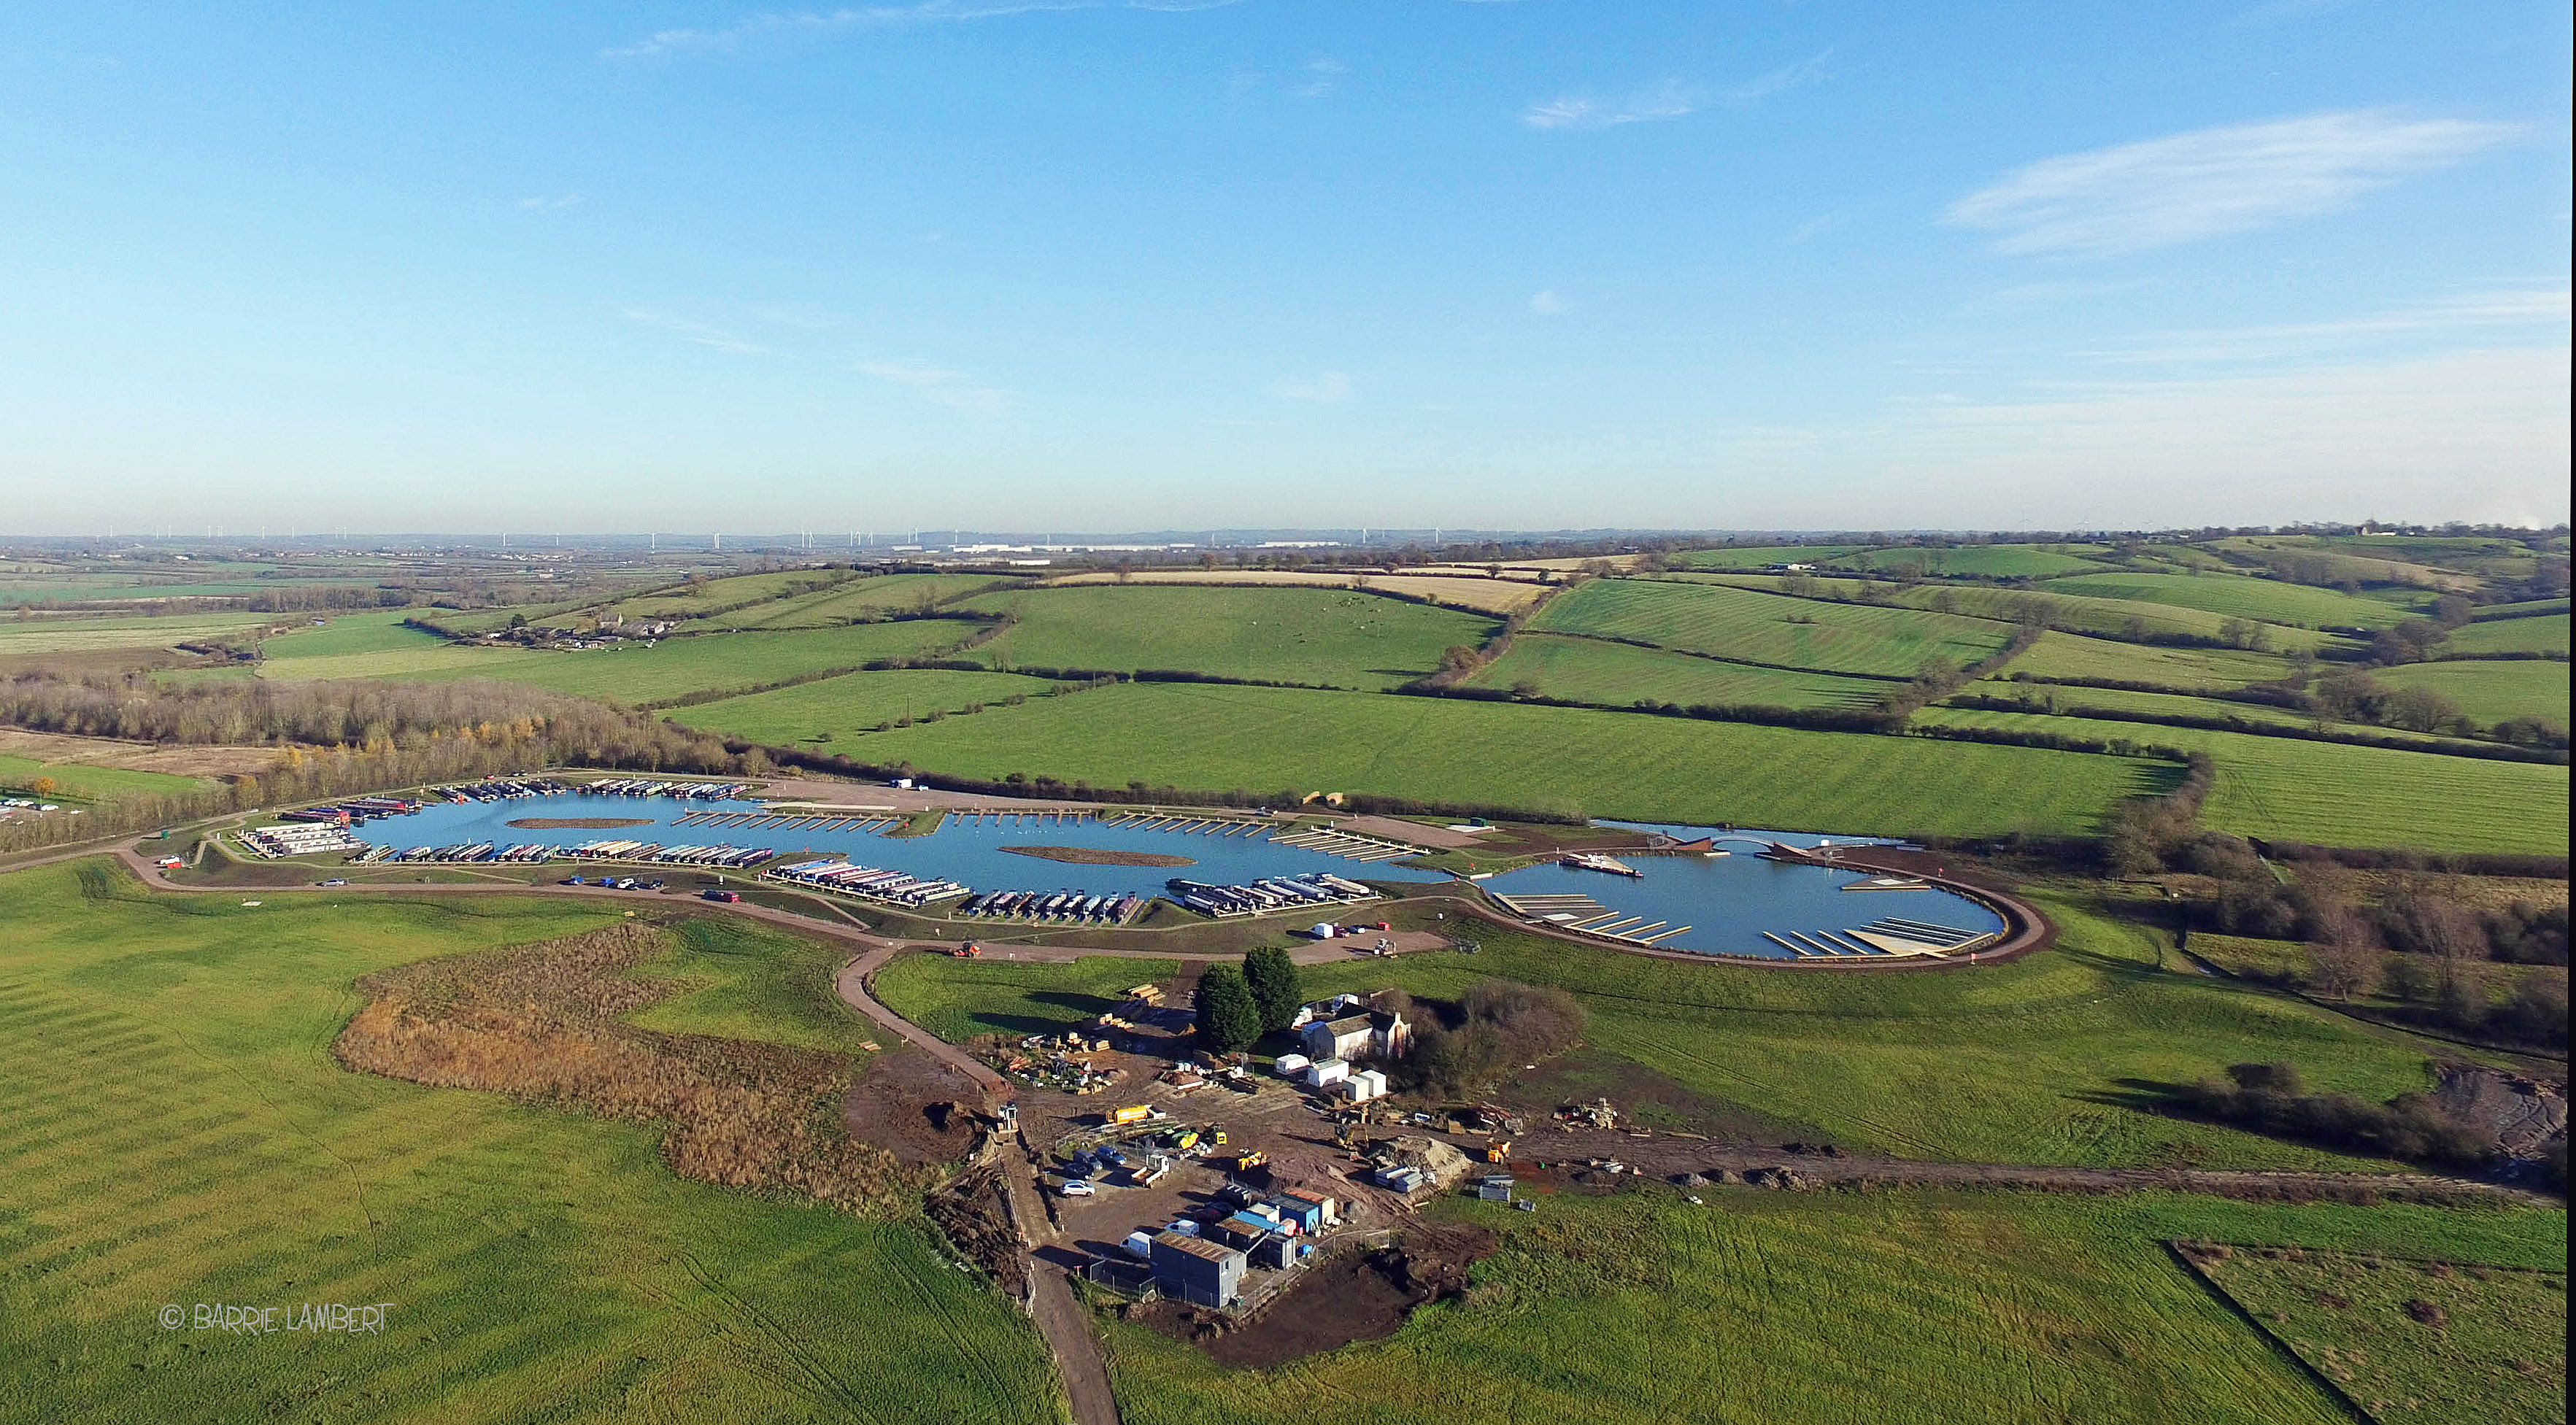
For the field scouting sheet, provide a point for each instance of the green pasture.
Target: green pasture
(851, 706)
(1616, 674)
(2523, 609)
(2335, 795)
(1263, 740)
(382, 631)
(2052, 698)
(179, 1133)
(1768, 628)
(634, 673)
(75, 782)
(2068, 655)
(1756, 557)
(857, 600)
(2116, 618)
(2046, 1059)
(959, 1000)
(1991, 561)
(2498, 1351)
(2539, 633)
(1886, 1308)
(28, 636)
(2490, 690)
(2238, 596)
(687, 601)
(1331, 637)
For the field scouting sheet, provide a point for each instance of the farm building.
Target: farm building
(1199, 1272)
(1372, 1034)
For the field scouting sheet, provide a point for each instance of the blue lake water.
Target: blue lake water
(1726, 901)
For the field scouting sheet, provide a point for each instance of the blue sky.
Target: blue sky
(1523, 263)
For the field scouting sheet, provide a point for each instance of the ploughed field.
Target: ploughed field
(179, 1133)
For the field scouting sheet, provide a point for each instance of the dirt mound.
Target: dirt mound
(914, 1107)
(2525, 1115)
(1357, 1296)
(1093, 856)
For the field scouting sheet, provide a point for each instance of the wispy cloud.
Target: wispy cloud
(1670, 99)
(2468, 317)
(2210, 181)
(541, 204)
(1790, 76)
(939, 384)
(1547, 303)
(1323, 386)
(698, 332)
(926, 12)
(1318, 78)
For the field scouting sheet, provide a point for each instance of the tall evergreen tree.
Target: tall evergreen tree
(1272, 977)
(1227, 1018)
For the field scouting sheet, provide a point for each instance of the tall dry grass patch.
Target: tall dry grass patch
(545, 1023)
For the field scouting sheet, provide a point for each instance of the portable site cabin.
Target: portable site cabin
(1325, 1072)
(1365, 1085)
(1325, 1207)
(1303, 1216)
(1197, 1271)
(1291, 1065)
(1280, 1253)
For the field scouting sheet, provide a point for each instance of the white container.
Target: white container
(1327, 1071)
(1291, 1065)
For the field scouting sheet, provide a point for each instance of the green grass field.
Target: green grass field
(960, 1000)
(2497, 1352)
(671, 668)
(2052, 698)
(2542, 633)
(2067, 655)
(685, 602)
(76, 782)
(1757, 557)
(2236, 596)
(179, 1133)
(1992, 561)
(2490, 690)
(2037, 1061)
(1767, 628)
(859, 599)
(1627, 765)
(1616, 675)
(1897, 1308)
(2335, 795)
(346, 634)
(1329, 637)
(2116, 618)
(841, 709)
(25, 637)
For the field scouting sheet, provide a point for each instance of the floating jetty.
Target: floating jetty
(1891, 937)
(1594, 861)
(1888, 883)
(1583, 913)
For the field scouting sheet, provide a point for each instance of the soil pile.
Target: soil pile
(1357, 1296)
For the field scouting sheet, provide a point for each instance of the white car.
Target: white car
(1076, 1187)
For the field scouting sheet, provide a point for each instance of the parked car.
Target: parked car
(1077, 1187)
(335, 881)
(728, 897)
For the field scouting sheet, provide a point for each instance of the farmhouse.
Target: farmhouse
(1374, 1034)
